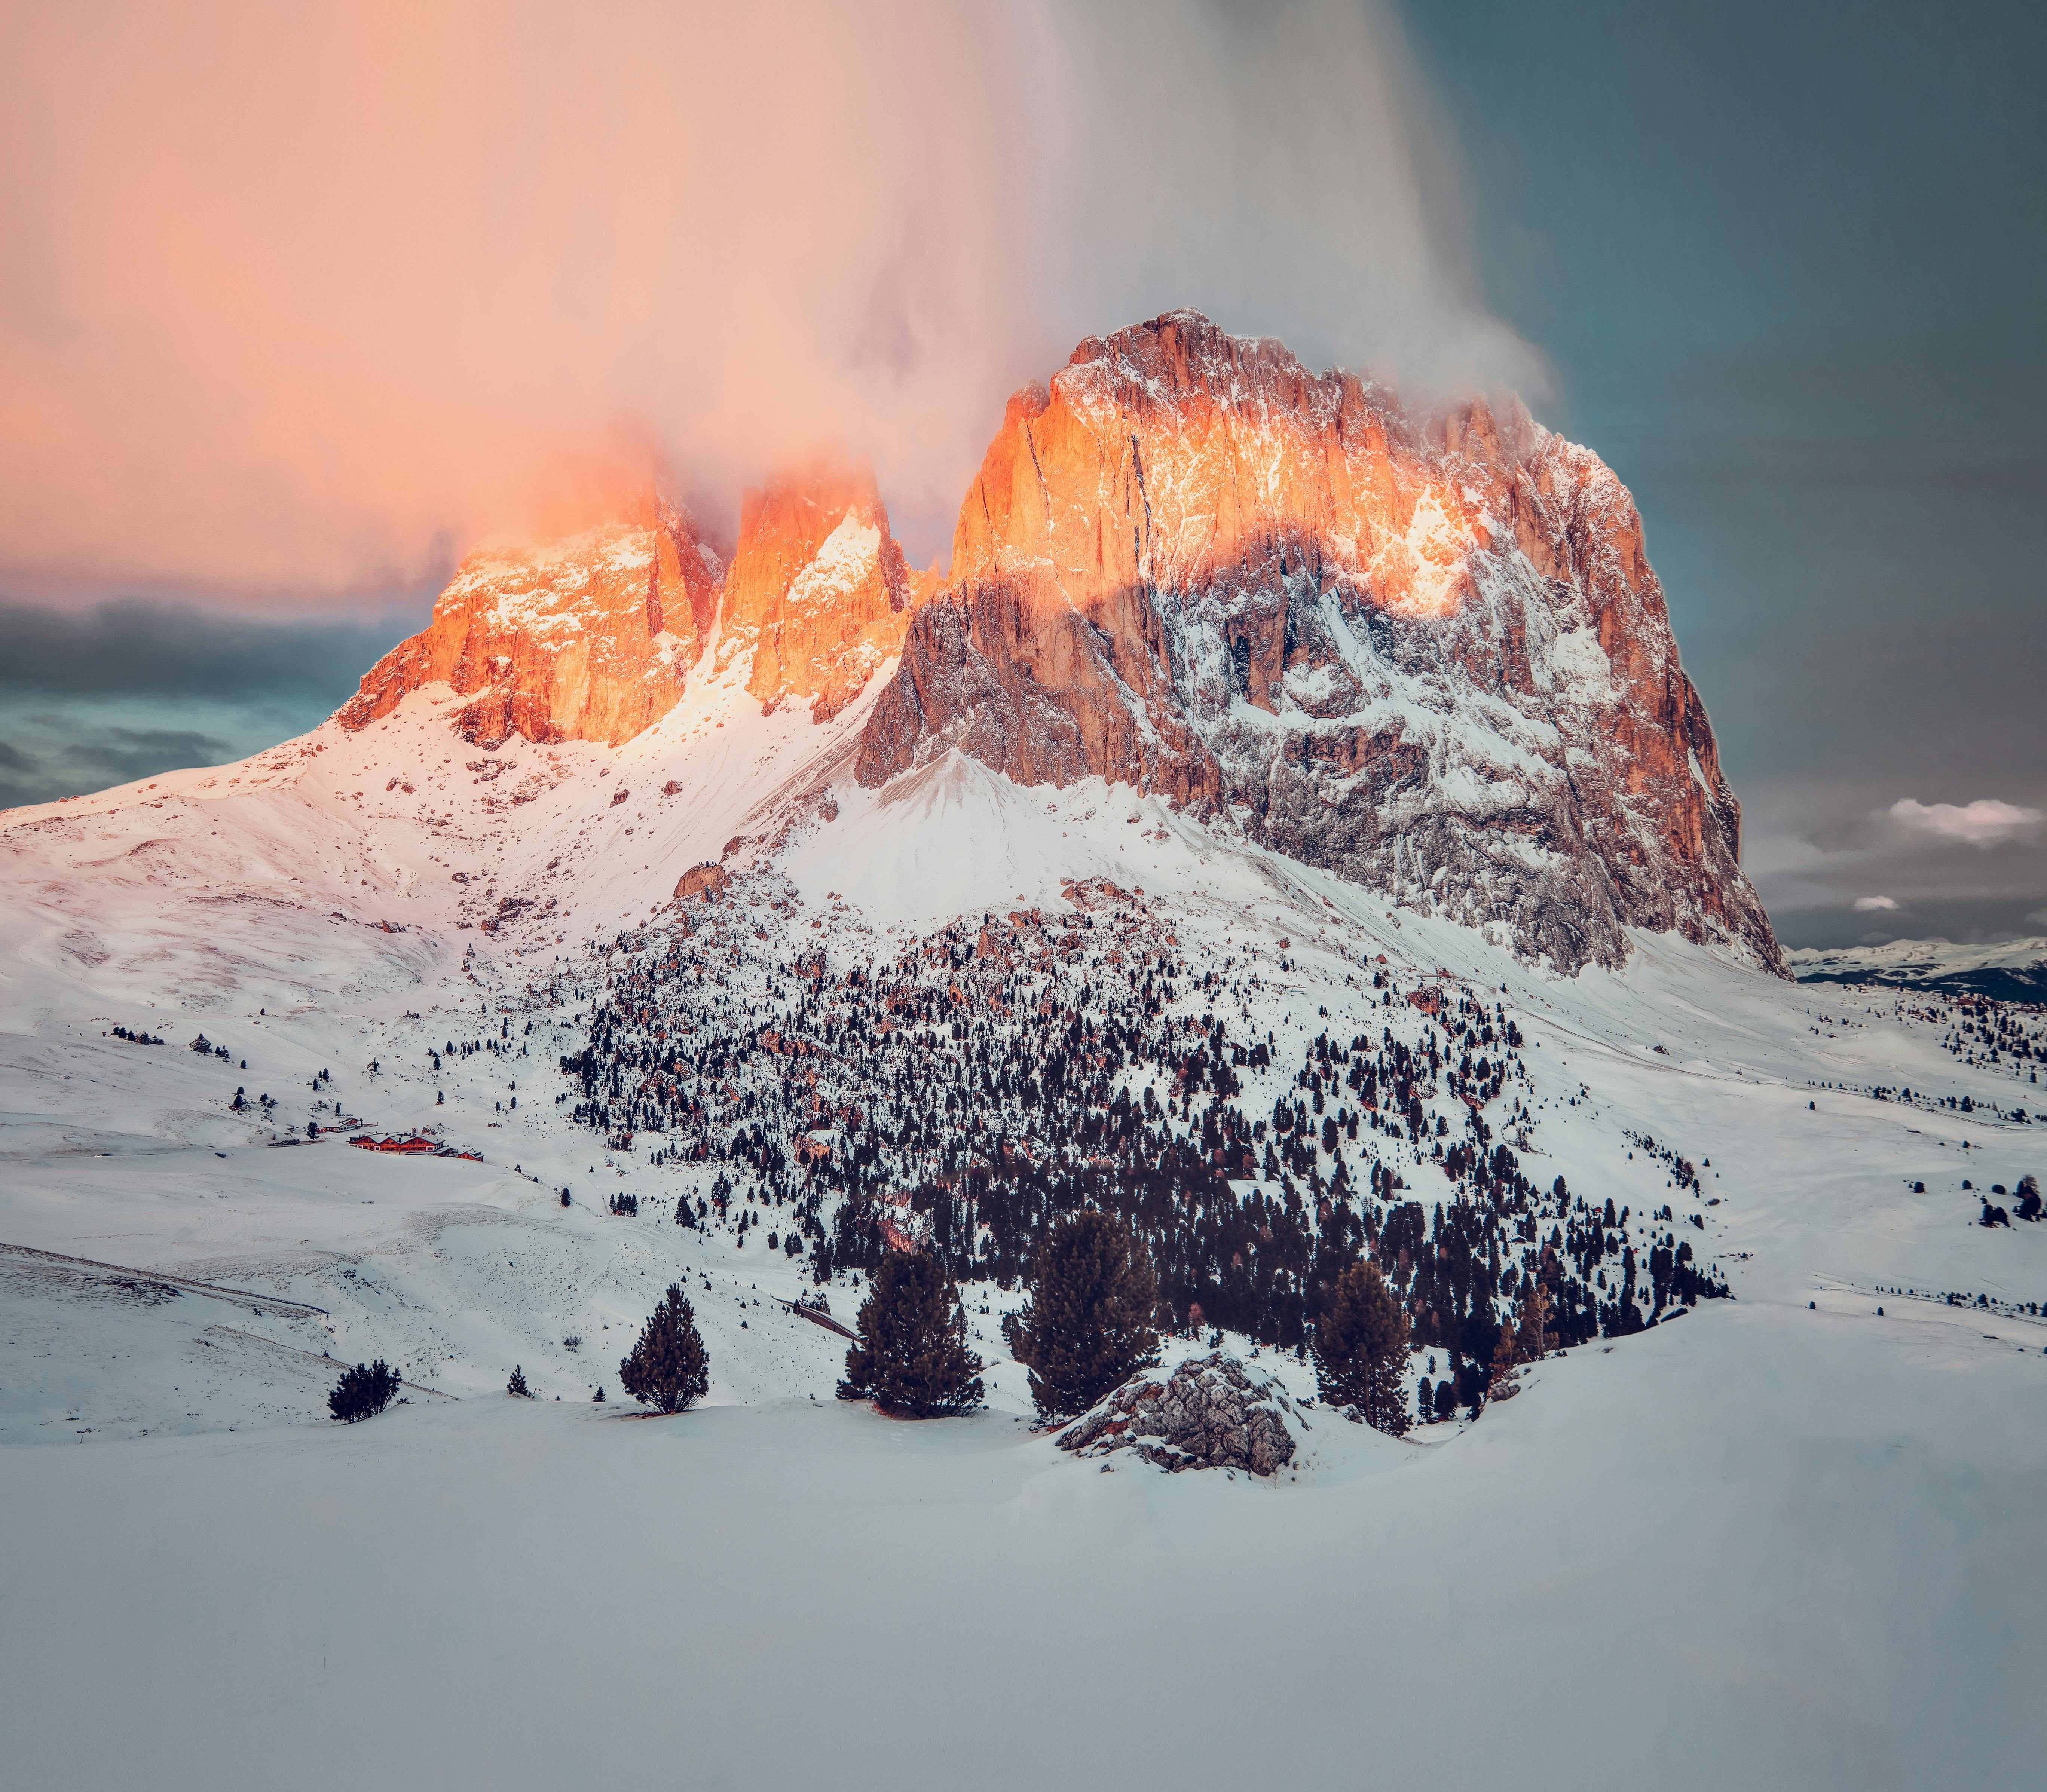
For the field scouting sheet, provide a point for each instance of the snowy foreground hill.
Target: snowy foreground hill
(1783, 1538)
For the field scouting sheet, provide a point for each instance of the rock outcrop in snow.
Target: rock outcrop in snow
(588, 638)
(1431, 657)
(1209, 1412)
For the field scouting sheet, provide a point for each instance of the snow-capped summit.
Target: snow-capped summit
(818, 591)
(594, 635)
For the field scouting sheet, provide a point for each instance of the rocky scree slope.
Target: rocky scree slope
(1432, 657)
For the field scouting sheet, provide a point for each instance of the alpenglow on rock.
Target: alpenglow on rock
(1431, 657)
(819, 592)
(593, 637)
(586, 638)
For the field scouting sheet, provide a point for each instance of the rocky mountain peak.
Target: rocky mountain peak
(818, 591)
(587, 637)
(1427, 651)
(592, 636)
(1424, 650)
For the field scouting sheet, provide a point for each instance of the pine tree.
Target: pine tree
(517, 1384)
(1361, 1348)
(2028, 1191)
(912, 1358)
(1504, 1359)
(1089, 1325)
(1535, 1320)
(362, 1393)
(667, 1368)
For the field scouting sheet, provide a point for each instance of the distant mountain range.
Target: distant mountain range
(2014, 971)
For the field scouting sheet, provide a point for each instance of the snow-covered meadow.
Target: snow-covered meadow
(1788, 1540)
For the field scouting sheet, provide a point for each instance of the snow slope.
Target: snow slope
(1787, 1542)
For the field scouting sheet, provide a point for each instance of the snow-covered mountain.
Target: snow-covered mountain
(1287, 825)
(2009, 971)
(1428, 653)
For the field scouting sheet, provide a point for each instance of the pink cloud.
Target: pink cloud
(304, 299)
(1984, 822)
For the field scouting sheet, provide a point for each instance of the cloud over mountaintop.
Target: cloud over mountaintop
(303, 301)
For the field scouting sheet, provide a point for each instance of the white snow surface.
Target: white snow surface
(846, 556)
(1787, 1543)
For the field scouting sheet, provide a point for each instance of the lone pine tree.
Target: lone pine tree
(1531, 1346)
(1361, 1348)
(911, 1357)
(1089, 1325)
(667, 1368)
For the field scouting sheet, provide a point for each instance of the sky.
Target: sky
(294, 306)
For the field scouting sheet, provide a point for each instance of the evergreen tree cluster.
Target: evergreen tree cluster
(993, 1080)
(362, 1392)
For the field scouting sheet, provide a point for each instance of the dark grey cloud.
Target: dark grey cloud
(68, 752)
(123, 753)
(134, 686)
(144, 646)
(1841, 859)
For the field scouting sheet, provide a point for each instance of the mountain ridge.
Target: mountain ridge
(1427, 652)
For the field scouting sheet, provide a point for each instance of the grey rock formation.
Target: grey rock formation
(1209, 1412)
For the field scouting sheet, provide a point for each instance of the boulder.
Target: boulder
(1209, 1412)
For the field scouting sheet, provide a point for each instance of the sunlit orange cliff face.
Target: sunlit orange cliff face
(818, 591)
(588, 637)
(593, 637)
(1427, 652)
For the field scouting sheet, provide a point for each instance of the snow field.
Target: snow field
(1786, 1544)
